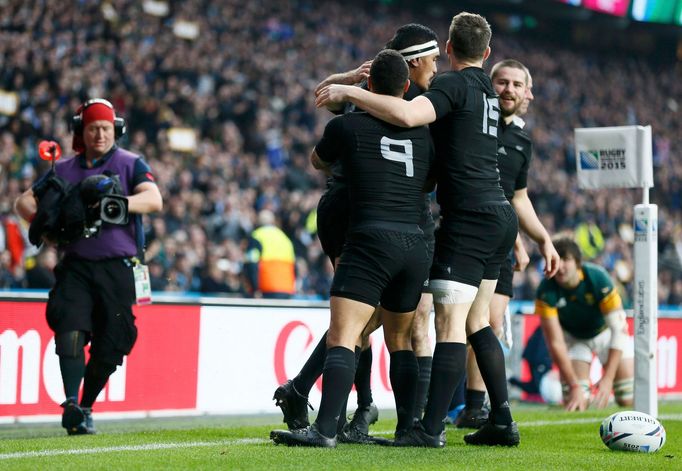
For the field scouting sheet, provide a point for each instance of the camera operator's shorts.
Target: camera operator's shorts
(504, 282)
(333, 214)
(386, 265)
(472, 244)
(95, 297)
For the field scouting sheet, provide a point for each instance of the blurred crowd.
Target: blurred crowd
(241, 75)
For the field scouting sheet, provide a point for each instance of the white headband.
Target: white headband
(419, 50)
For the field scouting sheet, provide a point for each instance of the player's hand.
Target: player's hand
(332, 94)
(602, 392)
(351, 77)
(576, 399)
(362, 72)
(551, 257)
(521, 257)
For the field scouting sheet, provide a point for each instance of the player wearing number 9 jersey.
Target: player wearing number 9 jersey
(385, 257)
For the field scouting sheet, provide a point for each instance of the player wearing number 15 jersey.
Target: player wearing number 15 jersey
(385, 258)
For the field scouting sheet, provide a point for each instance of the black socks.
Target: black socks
(422, 385)
(447, 370)
(339, 371)
(490, 359)
(312, 369)
(404, 372)
(363, 374)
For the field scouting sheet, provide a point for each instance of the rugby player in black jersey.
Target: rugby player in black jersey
(384, 259)
(418, 45)
(478, 226)
(510, 80)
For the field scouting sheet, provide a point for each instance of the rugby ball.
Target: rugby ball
(632, 431)
(550, 388)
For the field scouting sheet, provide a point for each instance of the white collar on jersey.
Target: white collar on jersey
(518, 121)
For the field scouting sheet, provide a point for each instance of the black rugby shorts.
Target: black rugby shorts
(383, 266)
(472, 244)
(504, 282)
(333, 214)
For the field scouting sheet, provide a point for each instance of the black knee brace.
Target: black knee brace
(70, 344)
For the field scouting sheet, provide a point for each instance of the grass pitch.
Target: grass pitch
(550, 439)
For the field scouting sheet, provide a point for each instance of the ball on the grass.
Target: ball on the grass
(550, 388)
(632, 431)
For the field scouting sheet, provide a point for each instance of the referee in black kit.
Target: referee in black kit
(385, 258)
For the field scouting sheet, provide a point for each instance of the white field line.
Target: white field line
(146, 447)
(250, 441)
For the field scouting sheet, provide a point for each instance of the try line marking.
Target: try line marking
(145, 447)
(249, 441)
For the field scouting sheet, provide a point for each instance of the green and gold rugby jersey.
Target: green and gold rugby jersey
(580, 310)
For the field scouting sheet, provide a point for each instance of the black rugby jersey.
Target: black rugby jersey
(336, 170)
(465, 138)
(386, 166)
(513, 157)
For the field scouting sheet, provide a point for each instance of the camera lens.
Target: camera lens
(112, 209)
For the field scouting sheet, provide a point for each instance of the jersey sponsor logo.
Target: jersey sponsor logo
(561, 303)
(603, 159)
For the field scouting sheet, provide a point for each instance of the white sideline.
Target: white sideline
(146, 447)
(250, 441)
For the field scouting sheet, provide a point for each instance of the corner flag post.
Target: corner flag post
(621, 157)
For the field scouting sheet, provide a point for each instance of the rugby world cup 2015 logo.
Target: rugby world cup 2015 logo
(641, 228)
(589, 159)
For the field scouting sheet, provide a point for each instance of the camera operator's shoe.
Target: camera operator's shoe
(416, 436)
(491, 435)
(472, 418)
(308, 436)
(294, 406)
(77, 420)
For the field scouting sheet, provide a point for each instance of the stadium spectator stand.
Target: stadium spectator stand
(244, 85)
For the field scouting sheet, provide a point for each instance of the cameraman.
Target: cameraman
(95, 290)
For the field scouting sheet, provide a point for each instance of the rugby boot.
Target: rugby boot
(417, 437)
(491, 435)
(294, 406)
(472, 418)
(355, 435)
(308, 436)
(363, 417)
